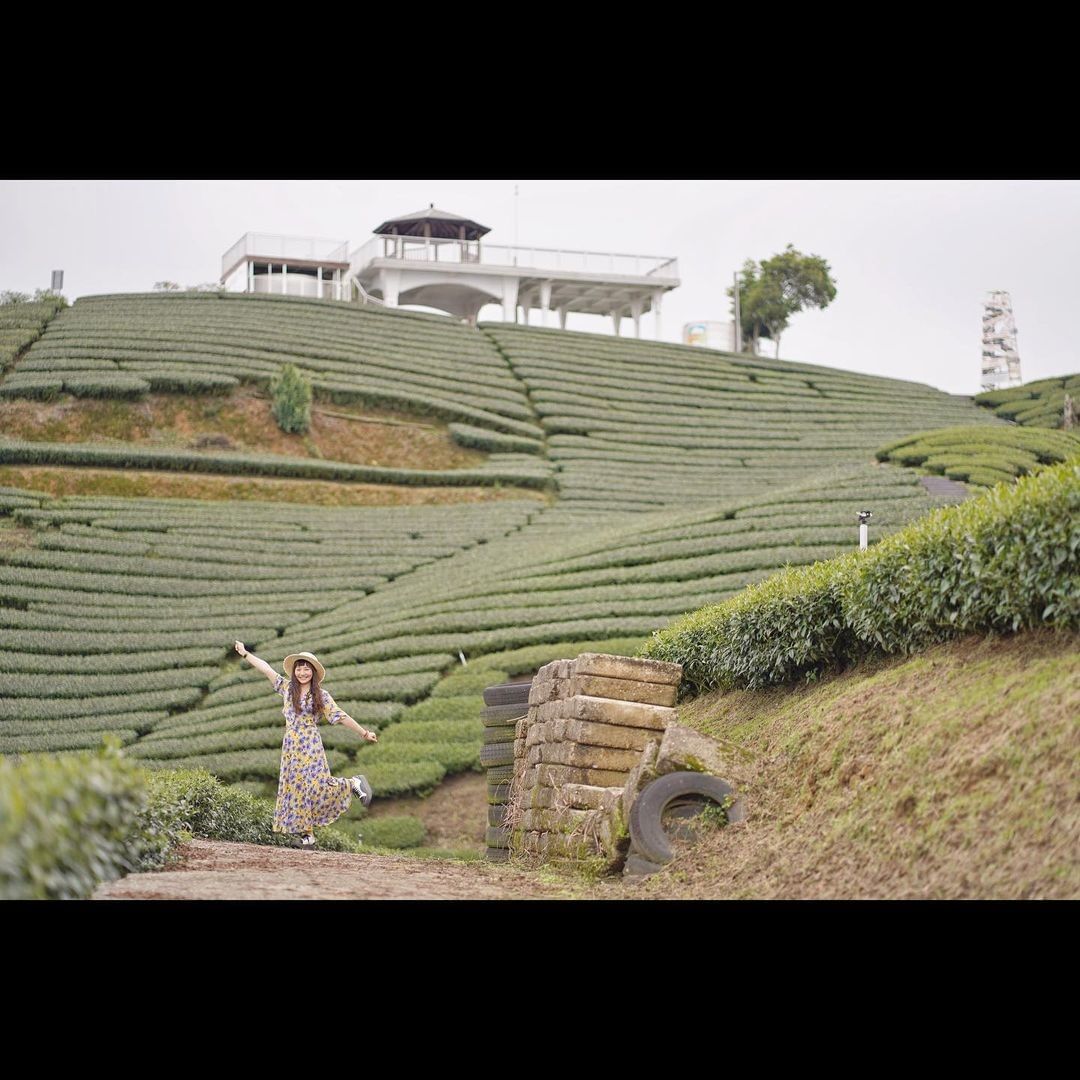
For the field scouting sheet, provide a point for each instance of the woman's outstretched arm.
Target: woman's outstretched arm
(255, 662)
(336, 715)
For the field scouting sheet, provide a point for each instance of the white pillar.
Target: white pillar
(635, 309)
(391, 286)
(562, 318)
(318, 282)
(545, 301)
(284, 277)
(657, 296)
(251, 277)
(510, 295)
(615, 317)
(525, 310)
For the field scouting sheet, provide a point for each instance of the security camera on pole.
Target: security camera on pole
(864, 518)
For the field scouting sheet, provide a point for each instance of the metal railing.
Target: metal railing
(284, 248)
(421, 249)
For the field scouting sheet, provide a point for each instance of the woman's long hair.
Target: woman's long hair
(316, 689)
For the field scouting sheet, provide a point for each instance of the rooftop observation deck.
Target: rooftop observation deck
(411, 269)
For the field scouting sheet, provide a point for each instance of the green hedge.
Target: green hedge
(69, 823)
(394, 832)
(483, 439)
(418, 777)
(93, 455)
(982, 455)
(53, 741)
(1038, 404)
(1005, 560)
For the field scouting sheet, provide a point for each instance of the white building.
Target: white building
(437, 259)
(291, 265)
(721, 336)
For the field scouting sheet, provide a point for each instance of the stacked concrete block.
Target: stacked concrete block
(588, 724)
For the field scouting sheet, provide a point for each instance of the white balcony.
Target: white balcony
(522, 260)
(304, 250)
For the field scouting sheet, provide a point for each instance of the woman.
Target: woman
(307, 794)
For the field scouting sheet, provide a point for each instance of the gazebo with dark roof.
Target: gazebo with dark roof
(440, 224)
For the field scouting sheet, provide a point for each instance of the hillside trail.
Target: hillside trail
(454, 816)
(222, 870)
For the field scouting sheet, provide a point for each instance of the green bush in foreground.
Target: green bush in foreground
(292, 399)
(1006, 560)
(69, 822)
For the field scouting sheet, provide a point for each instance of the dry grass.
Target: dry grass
(13, 537)
(241, 421)
(952, 774)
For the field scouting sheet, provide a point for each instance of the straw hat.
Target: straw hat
(291, 659)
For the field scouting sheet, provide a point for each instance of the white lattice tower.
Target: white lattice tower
(1000, 357)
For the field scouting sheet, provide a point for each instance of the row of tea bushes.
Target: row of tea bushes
(1034, 404)
(1006, 560)
(423, 363)
(982, 455)
(634, 426)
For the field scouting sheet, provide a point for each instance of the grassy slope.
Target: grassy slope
(945, 775)
(591, 565)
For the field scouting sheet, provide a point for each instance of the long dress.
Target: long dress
(307, 794)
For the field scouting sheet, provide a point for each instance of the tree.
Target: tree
(166, 286)
(770, 293)
(47, 295)
(291, 393)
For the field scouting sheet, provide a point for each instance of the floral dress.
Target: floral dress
(307, 794)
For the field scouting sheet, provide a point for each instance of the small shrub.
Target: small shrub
(394, 832)
(292, 399)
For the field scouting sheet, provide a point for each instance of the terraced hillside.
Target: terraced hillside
(680, 475)
(127, 346)
(639, 425)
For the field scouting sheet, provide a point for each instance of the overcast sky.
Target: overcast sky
(913, 259)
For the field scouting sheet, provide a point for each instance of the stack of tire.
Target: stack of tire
(504, 705)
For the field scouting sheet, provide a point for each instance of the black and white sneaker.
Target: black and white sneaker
(361, 789)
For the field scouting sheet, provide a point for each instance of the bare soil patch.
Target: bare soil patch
(242, 421)
(217, 870)
(60, 480)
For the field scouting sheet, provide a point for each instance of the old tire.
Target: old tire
(498, 794)
(498, 715)
(639, 866)
(512, 693)
(494, 754)
(647, 813)
(497, 836)
(505, 733)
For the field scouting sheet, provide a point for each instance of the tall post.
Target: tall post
(864, 517)
(738, 317)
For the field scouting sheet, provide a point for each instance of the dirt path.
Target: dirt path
(218, 870)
